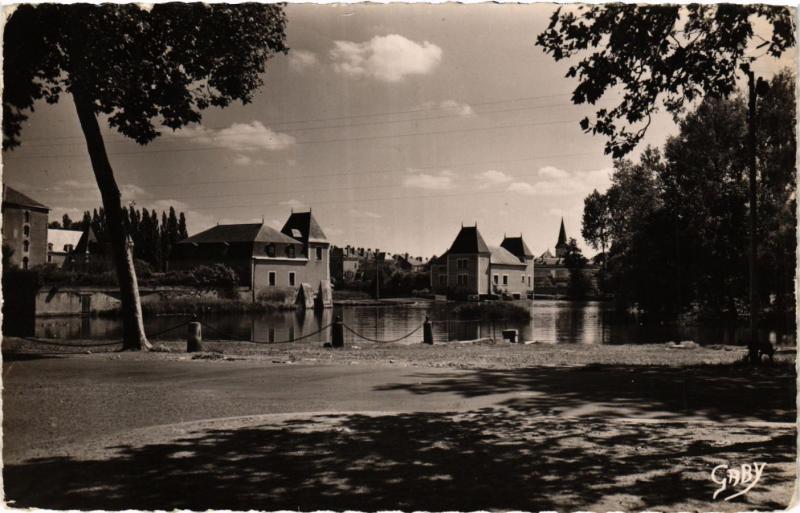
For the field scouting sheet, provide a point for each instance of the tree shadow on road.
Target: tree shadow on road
(715, 392)
(494, 458)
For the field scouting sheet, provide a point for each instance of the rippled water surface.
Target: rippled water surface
(563, 322)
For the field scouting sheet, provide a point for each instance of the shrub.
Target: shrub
(273, 296)
(492, 311)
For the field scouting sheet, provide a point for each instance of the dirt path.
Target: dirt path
(164, 431)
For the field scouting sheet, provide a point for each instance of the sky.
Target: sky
(394, 123)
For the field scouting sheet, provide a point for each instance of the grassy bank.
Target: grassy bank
(492, 311)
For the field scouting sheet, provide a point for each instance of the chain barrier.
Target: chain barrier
(359, 335)
(233, 338)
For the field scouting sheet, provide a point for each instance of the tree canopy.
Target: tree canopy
(672, 53)
(140, 67)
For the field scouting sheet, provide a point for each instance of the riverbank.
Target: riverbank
(171, 430)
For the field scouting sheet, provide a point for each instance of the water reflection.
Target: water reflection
(560, 322)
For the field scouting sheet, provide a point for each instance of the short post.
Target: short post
(427, 331)
(194, 337)
(337, 333)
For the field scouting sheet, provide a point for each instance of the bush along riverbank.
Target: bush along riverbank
(197, 306)
(492, 311)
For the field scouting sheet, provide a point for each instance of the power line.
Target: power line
(357, 116)
(329, 127)
(320, 141)
(348, 173)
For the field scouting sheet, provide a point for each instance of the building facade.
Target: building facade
(551, 275)
(61, 244)
(24, 229)
(471, 267)
(267, 260)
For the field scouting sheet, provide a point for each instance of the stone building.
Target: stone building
(472, 267)
(551, 275)
(265, 259)
(61, 244)
(24, 229)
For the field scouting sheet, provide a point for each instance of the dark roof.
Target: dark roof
(12, 196)
(87, 237)
(468, 241)
(517, 247)
(249, 232)
(562, 235)
(504, 257)
(303, 227)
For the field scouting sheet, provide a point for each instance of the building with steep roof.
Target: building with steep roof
(561, 243)
(551, 275)
(60, 245)
(264, 258)
(471, 267)
(24, 229)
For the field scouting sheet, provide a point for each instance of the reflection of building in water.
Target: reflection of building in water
(551, 275)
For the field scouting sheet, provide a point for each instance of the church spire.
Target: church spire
(561, 245)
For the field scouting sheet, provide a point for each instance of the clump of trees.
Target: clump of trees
(153, 236)
(676, 220)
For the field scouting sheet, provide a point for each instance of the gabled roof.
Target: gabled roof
(547, 254)
(468, 241)
(87, 237)
(61, 238)
(13, 197)
(247, 232)
(517, 247)
(303, 227)
(503, 257)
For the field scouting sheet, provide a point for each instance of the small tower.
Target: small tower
(561, 245)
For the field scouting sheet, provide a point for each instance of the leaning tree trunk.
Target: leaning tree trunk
(134, 337)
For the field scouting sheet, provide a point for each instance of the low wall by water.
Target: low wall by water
(93, 300)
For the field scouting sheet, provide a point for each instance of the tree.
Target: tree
(66, 222)
(134, 65)
(596, 224)
(677, 54)
(574, 260)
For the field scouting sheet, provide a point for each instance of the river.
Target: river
(552, 321)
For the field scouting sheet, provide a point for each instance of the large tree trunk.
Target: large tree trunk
(134, 337)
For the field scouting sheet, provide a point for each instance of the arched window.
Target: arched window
(25, 246)
(49, 246)
(27, 216)
(25, 262)
(270, 250)
(290, 251)
(26, 230)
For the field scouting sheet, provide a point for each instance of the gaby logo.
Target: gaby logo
(743, 477)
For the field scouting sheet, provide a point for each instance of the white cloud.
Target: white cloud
(245, 160)
(441, 181)
(557, 182)
(293, 203)
(299, 60)
(492, 176)
(364, 213)
(450, 106)
(239, 137)
(388, 58)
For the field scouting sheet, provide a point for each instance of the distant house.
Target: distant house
(471, 266)
(344, 263)
(60, 245)
(24, 229)
(264, 258)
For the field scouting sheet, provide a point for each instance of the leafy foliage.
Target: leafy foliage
(167, 62)
(676, 54)
(492, 311)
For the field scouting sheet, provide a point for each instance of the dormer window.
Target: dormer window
(270, 250)
(290, 251)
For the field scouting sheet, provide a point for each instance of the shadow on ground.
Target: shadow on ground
(508, 457)
(715, 392)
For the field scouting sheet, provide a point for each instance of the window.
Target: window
(26, 230)
(270, 250)
(291, 278)
(27, 217)
(443, 280)
(319, 253)
(49, 246)
(496, 279)
(529, 281)
(461, 263)
(49, 258)
(271, 278)
(25, 263)
(67, 248)
(25, 246)
(505, 279)
(462, 279)
(523, 279)
(290, 251)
